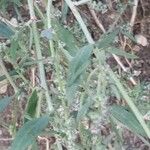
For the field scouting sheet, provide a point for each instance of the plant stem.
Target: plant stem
(49, 4)
(80, 21)
(39, 56)
(7, 75)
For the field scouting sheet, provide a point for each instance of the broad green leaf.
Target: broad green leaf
(32, 105)
(107, 39)
(66, 37)
(5, 30)
(77, 67)
(127, 118)
(120, 52)
(79, 63)
(26, 135)
(4, 103)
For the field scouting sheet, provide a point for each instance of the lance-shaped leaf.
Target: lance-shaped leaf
(120, 52)
(32, 105)
(128, 119)
(66, 37)
(77, 67)
(26, 135)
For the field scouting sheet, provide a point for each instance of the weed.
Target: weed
(68, 84)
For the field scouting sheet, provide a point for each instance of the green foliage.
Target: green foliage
(14, 49)
(80, 86)
(85, 135)
(5, 30)
(66, 37)
(119, 52)
(4, 103)
(128, 119)
(5, 3)
(84, 109)
(107, 39)
(27, 134)
(32, 105)
(76, 68)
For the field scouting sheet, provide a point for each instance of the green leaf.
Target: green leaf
(5, 30)
(14, 48)
(79, 63)
(4, 103)
(107, 39)
(120, 52)
(127, 118)
(26, 135)
(32, 105)
(84, 109)
(77, 67)
(66, 37)
(129, 35)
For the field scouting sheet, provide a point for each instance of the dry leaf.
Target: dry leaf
(142, 40)
(14, 22)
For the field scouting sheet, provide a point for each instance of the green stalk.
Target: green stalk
(49, 4)
(39, 56)
(8, 76)
(80, 21)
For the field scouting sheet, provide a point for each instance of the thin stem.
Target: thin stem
(7, 75)
(129, 102)
(80, 21)
(39, 56)
(134, 12)
(49, 4)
